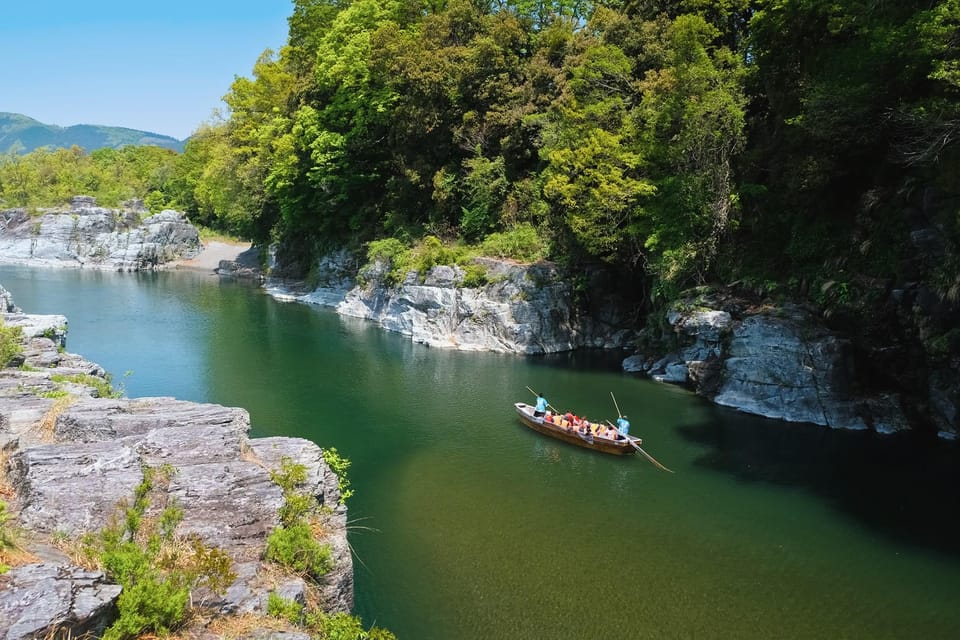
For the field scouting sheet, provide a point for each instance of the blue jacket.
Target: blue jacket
(541, 404)
(623, 425)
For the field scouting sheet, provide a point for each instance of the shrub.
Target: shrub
(422, 257)
(290, 475)
(339, 465)
(475, 275)
(294, 547)
(157, 570)
(279, 607)
(386, 249)
(336, 626)
(11, 343)
(102, 386)
(292, 544)
(6, 535)
(520, 243)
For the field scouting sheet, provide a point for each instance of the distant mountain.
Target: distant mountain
(26, 134)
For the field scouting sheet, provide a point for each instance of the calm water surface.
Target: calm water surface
(467, 525)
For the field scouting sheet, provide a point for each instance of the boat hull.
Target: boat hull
(617, 448)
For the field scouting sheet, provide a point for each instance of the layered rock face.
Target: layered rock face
(93, 237)
(523, 309)
(70, 461)
(778, 362)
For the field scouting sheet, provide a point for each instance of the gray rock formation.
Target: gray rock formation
(89, 236)
(37, 600)
(523, 308)
(775, 362)
(6, 302)
(71, 460)
(246, 266)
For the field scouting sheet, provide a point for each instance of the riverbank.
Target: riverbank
(212, 254)
(74, 454)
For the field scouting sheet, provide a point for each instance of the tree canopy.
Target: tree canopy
(793, 142)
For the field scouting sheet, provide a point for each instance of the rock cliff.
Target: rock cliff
(779, 362)
(93, 237)
(525, 309)
(69, 457)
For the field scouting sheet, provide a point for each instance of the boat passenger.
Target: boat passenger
(541, 407)
(623, 425)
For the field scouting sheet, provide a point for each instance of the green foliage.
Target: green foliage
(148, 603)
(50, 177)
(336, 626)
(292, 544)
(385, 250)
(295, 548)
(290, 475)
(486, 187)
(940, 346)
(11, 343)
(279, 607)
(339, 465)
(680, 142)
(521, 243)
(296, 507)
(7, 541)
(420, 258)
(156, 569)
(102, 386)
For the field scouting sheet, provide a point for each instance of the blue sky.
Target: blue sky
(157, 66)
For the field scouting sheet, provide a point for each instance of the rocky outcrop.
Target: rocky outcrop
(778, 362)
(37, 600)
(523, 309)
(6, 302)
(94, 237)
(70, 460)
(245, 266)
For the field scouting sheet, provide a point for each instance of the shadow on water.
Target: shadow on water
(903, 486)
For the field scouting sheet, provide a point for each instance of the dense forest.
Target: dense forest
(793, 147)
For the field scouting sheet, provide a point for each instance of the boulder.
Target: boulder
(39, 600)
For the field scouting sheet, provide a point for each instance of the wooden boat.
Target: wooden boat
(620, 447)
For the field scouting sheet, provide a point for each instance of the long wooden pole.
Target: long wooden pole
(619, 415)
(637, 447)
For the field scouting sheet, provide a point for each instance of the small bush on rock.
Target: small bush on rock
(294, 547)
(156, 569)
(11, 343)
(336, 626)
(292, 544)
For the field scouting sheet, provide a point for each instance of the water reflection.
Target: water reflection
(903, 485)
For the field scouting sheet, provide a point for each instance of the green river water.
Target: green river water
(467, 525)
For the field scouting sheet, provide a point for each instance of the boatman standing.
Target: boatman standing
(623, 425)
(541, 407)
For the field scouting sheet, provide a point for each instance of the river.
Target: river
(467, 525)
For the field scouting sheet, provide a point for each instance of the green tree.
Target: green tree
(693, 115)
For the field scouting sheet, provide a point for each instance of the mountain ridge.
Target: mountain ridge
(22, 134)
